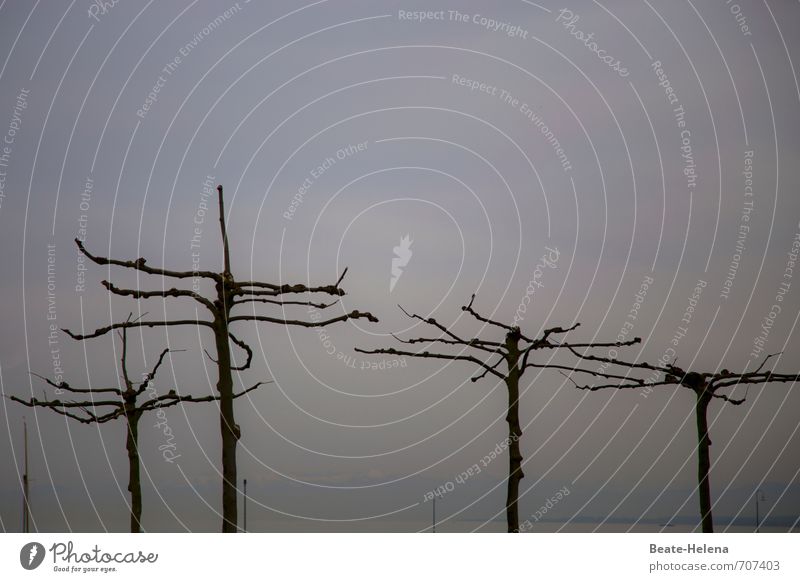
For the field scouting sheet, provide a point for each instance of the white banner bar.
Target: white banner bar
(353, 557)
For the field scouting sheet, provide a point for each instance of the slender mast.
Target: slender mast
(26, 511)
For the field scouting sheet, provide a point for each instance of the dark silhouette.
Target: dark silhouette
(513, 358)
(121, 404)
(230, 293)
(706, 387)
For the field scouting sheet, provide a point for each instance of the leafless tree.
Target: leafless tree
(507, 360)
(106, 404)
(707, 386)
(230, 294)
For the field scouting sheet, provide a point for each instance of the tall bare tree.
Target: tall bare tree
(230, 294)
(106, 404)
(706, 386)
(506, 359)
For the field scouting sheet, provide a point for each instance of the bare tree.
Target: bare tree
(113, 403)
(507, 360)
(707, 386)
(230, 294)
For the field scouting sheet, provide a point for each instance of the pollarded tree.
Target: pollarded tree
(507, 360)
(221, 308)
(106, 404)
(707, 387)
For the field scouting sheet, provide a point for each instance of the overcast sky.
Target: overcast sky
(662, 150)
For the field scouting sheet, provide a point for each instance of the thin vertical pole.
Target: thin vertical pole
(245, 505)
(758, 520)
(26, 519)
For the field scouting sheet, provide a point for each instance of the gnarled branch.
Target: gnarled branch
(172, 398)
(140, 265)
(132, 324)
(355, 314)
(137, 294)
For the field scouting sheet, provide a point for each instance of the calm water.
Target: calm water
(469, 526)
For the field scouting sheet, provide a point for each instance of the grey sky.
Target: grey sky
(261, 97)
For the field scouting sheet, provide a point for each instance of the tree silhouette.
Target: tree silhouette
(706, 386)
(121, 403)
(230, 294)
(513, 355)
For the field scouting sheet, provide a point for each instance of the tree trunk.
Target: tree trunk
(134, 484)
(704, 461)
(228, 429)
(515, 473)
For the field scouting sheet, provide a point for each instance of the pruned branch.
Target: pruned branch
(729, 400)
(543, 343)
(474, 342)
(629, 383)
(172, 398)
(596, 373)
(140, 265)
(34, 402)
(272, 289)
(705, 382)
(152, 374)
(752, 378)
(355, 314)
(64, 386)
(137, 294)
(132, 324)
(394, 352)
(669, 369)
(766, 359)
(253, 387)
(489, 370)
(550, 331)
(282, 303)
(468, 308)
(248, 350)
